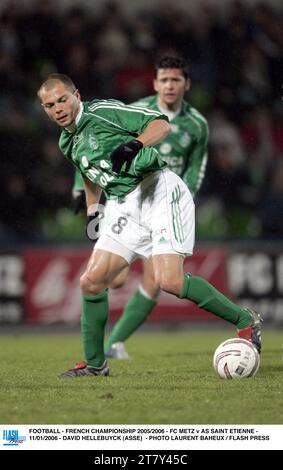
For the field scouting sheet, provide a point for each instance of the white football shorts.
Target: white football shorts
(158, 217)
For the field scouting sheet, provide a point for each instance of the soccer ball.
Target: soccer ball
(236, 358)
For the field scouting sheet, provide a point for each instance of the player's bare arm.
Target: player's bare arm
(155, 132)
(92, 193)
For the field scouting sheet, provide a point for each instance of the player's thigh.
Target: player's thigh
(103, 266)
(148, 268)
(120, 280)
(169, 272)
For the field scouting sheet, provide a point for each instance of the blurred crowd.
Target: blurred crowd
(235, 63)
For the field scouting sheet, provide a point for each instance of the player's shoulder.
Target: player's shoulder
(147, 102)
(96, 104)
(105, 109)
(195, 117)
(188, 109)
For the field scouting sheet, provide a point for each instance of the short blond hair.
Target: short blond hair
(57, 77)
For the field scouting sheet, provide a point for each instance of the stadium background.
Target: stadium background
(235, 54)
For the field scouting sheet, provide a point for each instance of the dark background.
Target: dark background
(235, 60)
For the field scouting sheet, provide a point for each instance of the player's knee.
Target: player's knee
(90, 286)
(117, 283)
(154, 291)
(151, 290)
(171, 285)
(120, 279)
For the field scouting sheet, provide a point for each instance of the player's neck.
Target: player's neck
(170, 111)
(73, 126)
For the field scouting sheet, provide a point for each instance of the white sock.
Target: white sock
(145, 294)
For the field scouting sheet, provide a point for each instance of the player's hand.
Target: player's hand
(125, 153)
(92, 225)
(78, 200)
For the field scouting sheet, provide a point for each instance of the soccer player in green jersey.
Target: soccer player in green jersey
(111, 144)
(185, 151)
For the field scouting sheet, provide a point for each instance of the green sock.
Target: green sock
(207, 297)
(135, 313)
(93, 321)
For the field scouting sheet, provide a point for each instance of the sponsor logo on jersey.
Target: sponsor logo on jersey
(93, 142)
(165, 148)
(185, 140)
(174, 161)
(174, 128)
(84, 161)
(77, 139)
(99, 177)
(175, 164)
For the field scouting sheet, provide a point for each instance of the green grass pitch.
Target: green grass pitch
(168, 380)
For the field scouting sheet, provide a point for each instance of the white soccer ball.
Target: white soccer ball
(236, 358)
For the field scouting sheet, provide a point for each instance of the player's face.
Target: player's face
(60, 104)
(170, 85)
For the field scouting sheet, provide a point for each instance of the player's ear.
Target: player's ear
(155, 85)
(77, 95)
(188, 84)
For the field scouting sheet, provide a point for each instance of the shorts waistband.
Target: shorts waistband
(143, 184)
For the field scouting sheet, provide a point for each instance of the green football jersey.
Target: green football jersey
(185, 148)
(101, 126)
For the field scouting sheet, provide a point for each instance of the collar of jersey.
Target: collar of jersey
(184, 106)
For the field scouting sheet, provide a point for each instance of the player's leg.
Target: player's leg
(135, 313)
(206, 296)
(102, 268)
(168, 270)
(120, 280)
